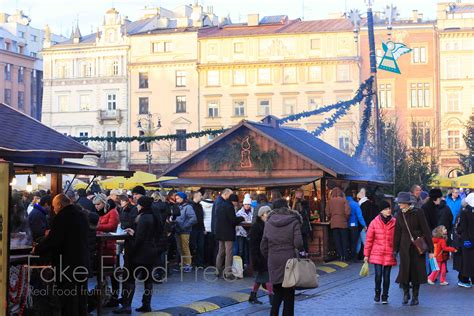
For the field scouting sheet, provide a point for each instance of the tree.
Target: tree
(467, 160)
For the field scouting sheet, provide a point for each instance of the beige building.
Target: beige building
(456, 66)
(279, 66)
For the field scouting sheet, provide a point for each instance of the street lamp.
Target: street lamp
(149, 124)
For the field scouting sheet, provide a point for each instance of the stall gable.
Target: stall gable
(249, 154)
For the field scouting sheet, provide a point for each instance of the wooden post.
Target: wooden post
(323, 199)
(56, 184)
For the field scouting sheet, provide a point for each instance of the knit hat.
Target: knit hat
(435, 194)
(139, 190)
(145, 201)
(469, 200)
(264, 209)
(233, 198)
(182, 195)
(99, 198)
(247, 200)
(383, 205)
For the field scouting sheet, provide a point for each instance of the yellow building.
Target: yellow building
(456, 65)
(279, 66)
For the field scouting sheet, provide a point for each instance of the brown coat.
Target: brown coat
(281, 237)
(412, 265)
(338, 212)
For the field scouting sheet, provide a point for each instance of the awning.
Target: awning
(233, 183)
(139, 178)
(69, 168)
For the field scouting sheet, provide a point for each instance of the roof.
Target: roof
(22, 135)
(233, 183)
(274, 19)
(290, 27)
(462, 8)
(69, 168)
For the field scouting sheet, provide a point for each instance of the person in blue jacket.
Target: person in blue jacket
(355, 220)
(453, 200)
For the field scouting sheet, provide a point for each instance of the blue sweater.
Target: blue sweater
(454, 205)
(356, 213)
(38, 221)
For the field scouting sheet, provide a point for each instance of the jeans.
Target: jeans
(354, 235)
(361, 241)
(182, 243)
(285, 295)
(243, 251)
(145, 274)
(341, 239)
(442, 272)
(382, 272)
(197, 244)
(224, 258)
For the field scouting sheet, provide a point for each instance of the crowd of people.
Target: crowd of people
(188, 230)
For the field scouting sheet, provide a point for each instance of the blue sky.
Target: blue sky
(60, 14)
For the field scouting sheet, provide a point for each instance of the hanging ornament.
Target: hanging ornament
(393, 51)
(245, 161)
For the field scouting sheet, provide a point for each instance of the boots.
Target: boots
(416, 291)
(377, 296)
(270, 298)
(384, 299)
(144, 309)
(406, 293)
(253, 298)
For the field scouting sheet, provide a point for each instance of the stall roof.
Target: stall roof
(233, 183)
(23, 136)
(69, 168)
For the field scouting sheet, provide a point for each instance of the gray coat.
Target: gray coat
(281, 237)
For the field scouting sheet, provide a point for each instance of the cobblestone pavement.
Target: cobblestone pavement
(345, 293)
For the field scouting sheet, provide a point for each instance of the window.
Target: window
(167, 46)
(213, 78)
(8, 96)
(289, 75)
(61, 71)
(264, 107)
(21, 34)
(115, 68)
(84, 134)
(8, 72)
(63, 103)
(454, 139)
(315, 43)
(33, 54)
(289, 106)
(142, 146)
(143, 105)
(111, 146)
(419, 55)
(385, 95)
(84, 102)
(343, 141)
(21, 100)
(181, 140)
(21, 74)
(420, 134)
(264, 76)
(212, 109)
(161, 47)
(143, 80)
(420, 95)
(111, 101)
(453, 101)
(343, 73)
(86, 70)
(7, 46)
(238, 48)
(314, 103)
(180, 78)
(239, 108)
(181, 104)
(239, 77)
(453, 68)
(34, 38)
(314, 74)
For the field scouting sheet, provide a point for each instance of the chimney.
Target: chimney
(252, 20)
(414, 16)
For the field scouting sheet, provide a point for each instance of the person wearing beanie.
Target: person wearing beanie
(185, 222)
(234, 199)
(378, 249)
(138, 191)
(247, 213)
(144, 252)
(431, 208)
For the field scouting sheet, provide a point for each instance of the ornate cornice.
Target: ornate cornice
(279, 63)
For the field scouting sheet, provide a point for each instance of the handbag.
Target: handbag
(419, 243)
(300, 273)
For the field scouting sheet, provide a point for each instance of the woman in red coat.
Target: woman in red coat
(378, 249)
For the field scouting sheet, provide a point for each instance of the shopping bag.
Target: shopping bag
(364, 271)
(434, 264)
(237, 267)
(300, 273)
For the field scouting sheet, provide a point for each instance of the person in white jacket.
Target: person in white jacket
(209, 238)
(246, 212)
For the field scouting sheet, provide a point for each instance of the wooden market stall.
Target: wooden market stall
(257, 157)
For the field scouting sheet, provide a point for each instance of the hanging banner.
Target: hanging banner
(393, 51)
(4, 198)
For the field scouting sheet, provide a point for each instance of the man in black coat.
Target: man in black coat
(445, 217)
(84, 201)
(198, 231)
(430, 208)
(38, 218)
(225, 222)
(67, 242)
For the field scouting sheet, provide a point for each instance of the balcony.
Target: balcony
(109, 115)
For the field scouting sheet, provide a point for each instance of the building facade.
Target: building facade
(279, 66)
(21, 63)
(456, 67)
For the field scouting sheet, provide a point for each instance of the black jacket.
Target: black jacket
(466, 229)
(217, 204)
(144, 244)
(445, 216)
(127, 216)
(369, 211)
(86, 203)
(225, 221)
(255, 235)
(38, 220)
(67, 239)
(431, 213)
(199, 226)
(92, 219)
